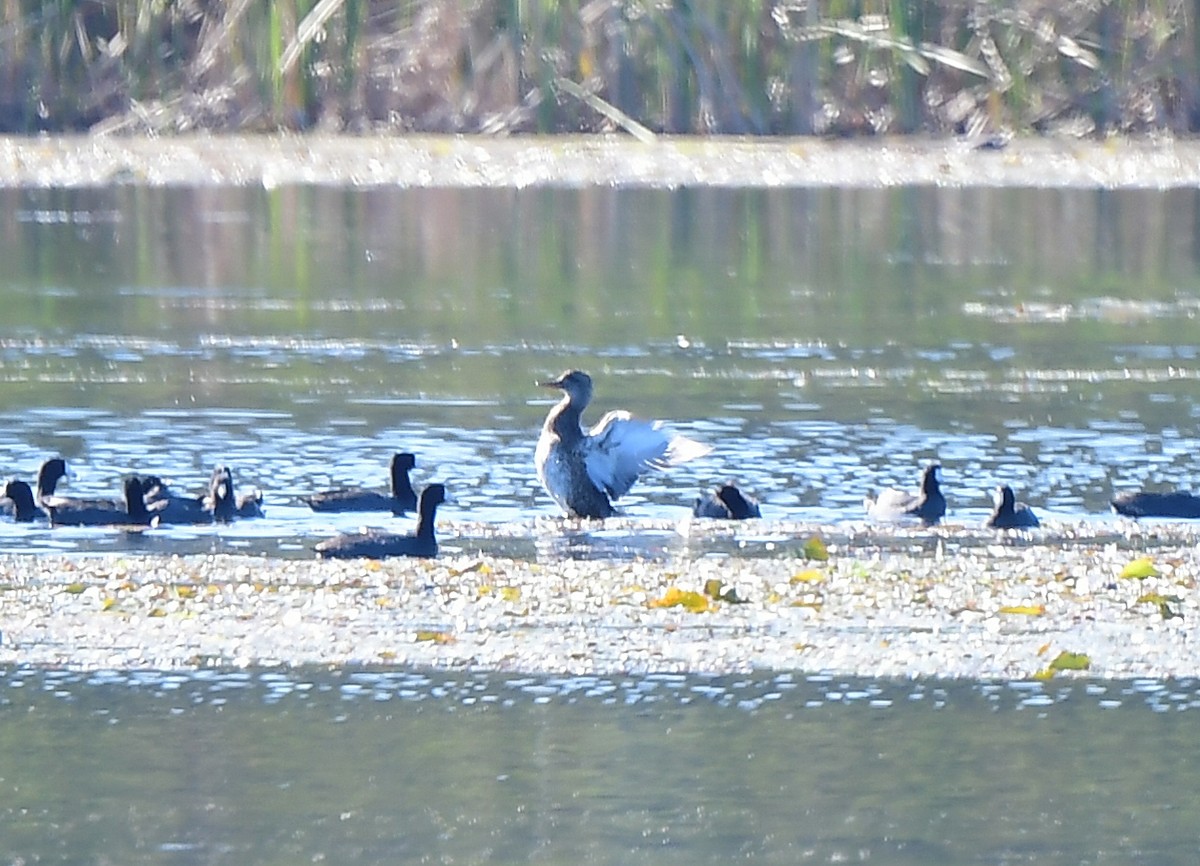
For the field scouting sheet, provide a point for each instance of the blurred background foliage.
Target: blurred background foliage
(836, 67)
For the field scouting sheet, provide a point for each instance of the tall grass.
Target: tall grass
(848, 67)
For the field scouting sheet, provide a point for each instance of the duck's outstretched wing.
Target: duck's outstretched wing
(621, 447)
(891, 504)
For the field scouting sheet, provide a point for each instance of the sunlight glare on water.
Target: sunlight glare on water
(824, 348)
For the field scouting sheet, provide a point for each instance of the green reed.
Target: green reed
(685, 66)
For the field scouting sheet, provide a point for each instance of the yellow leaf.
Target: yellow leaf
(1140, 569)
(185, 591)
(486, 589)
(1024, 609)
(511, 593)
(809, 575)
(1069, 661)
(1044, 674)
(157, 612)
(1043, 649)
(815, 605)
(387, 655)
(687, 599)
(439, 637)
(815, 548)
(109, 603)
(75, 588)
(715, 588)
(1163, 603)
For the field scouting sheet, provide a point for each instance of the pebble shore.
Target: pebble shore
(1003, 609)
(564, 161)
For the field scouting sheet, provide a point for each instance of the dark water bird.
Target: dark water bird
(69, 511)
(1010, 514)
(726, 502)
(172, 509)
(584, 470)
(402, 498)
(51, 472)
(225, 503)
(927, 504)
(20, 503)
(250, 504)
(376, 544)
(1183, 506)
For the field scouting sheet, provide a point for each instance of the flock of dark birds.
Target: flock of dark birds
(583, 470)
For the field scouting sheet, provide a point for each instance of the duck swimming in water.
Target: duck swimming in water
(402, 497)
(377, 544)
(20, 502)
(928, 504)
(65, 511)
(1010, 514)
(584, 470)
(1183, 506)
(727, 502)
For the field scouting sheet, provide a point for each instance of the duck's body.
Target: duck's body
(927, 505)
(726, 502)
(402, 498)
(223, 501)
(218, 504)
(1183, 506)
(1010, 514)
(20, 503)
(584, 470)
(171, 508)
(66, 511)
(377, 544)
(250, 504)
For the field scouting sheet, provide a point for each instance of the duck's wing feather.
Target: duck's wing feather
(621, 447)
(891, 504)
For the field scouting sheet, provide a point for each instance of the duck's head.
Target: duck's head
(577, 385)
(432, 496)
(734, 501)
(1004, 498)
(51, 472)
(932, 477)
(404, 461)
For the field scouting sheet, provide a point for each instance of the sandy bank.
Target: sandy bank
(429, 161)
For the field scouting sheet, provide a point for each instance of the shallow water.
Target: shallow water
(375, 766)
(827, 342)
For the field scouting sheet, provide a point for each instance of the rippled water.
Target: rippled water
(826, 342)
(378, 766)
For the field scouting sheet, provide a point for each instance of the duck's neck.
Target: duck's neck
(401, 486)
(565, 421)
(426, 522)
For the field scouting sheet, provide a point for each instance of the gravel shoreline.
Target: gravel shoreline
(565, 161)
(1002, 610)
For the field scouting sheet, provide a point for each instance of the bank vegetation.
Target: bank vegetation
(747, 67)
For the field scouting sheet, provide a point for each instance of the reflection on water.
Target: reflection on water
(366, 767)
(826, 342)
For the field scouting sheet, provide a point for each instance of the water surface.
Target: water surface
(827, 342)
(374, 766)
